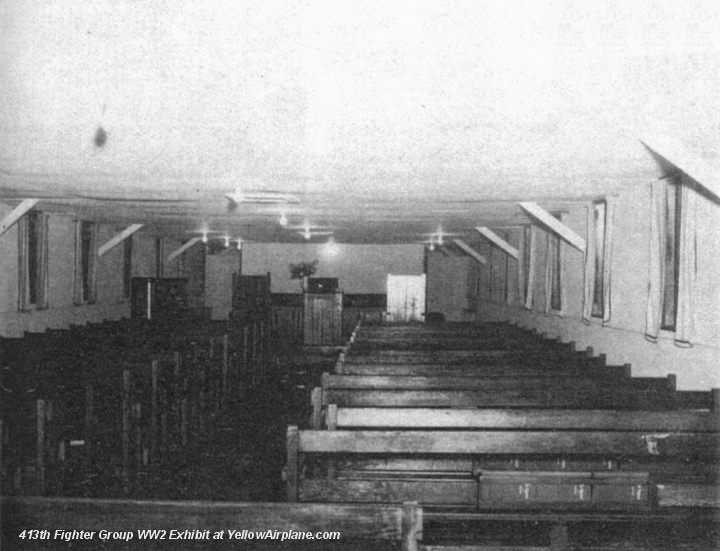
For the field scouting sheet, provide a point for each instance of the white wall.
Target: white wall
(359, 268)
(449, 287)
(623, 338)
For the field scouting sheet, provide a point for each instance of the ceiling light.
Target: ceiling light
(266, 197)
(239, 243)
(439, 235)
(227, 241)
(204, 237)
(283, 219)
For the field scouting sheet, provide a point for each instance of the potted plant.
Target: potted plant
(302, 271)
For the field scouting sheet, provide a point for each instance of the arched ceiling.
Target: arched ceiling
(385, 118)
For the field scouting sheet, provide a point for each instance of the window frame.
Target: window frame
(127, 267)
(85, 277)
(597, 307)
(555, 261)
(33, 261)
(526, 260)
(673, 219)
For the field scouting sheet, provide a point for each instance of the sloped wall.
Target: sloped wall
(622, 339)
(61, 311)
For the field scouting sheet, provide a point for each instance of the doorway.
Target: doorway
(406, 298)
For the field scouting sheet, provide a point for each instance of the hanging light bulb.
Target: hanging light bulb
(204, 237)
(283, 219)
(306, 232)
(439, 235)
(239, 243)
(227, 241)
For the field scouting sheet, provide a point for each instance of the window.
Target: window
(33, 262)
(127, 265)
(85, 242)
(527, 244)
(556, 274)
(671, 258)
(491, 275)
(158, 257)
(553, 272)
(505, 271)
(599, 223)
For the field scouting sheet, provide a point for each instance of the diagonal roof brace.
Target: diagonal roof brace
(669, 151)
(554, 225)
(118, 238)
(184, 247)
(470, 251)
(16, 214)
(497, 240)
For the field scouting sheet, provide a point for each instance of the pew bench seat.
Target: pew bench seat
(477, 486)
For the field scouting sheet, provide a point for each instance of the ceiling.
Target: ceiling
(386, 119)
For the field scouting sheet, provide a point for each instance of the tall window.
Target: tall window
(85, 244)
(671, 259)
(554, 271)
(158, 257)
(505, 259)
(127, 265)
(33, 256)
(599, 224)
(32, 260)
(491, 275)
(526, 259)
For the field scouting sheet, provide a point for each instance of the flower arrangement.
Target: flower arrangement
(303, 270)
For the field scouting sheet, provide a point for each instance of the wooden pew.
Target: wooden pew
(702, 474)
(474, 357)
(401, 524)
(114, 397)
(620, 398)
(500, 381)
(578, 489)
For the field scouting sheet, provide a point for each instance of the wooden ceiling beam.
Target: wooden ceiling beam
(554, 225)
(16, 214)
(470, 251)
(118, 238)
(184, 247)
(497, 240)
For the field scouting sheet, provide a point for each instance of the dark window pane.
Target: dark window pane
(555, 293)
(672, 258)
(599, 213)
(33, 258)
(158, 257)
(526, 260)
(127, 265)
(86, 229)
(506, 272)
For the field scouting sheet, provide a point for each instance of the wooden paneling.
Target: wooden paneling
(686, 421)
(322, 319)
(511, 442)
(626, 398)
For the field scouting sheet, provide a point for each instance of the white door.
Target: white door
(406, 297)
